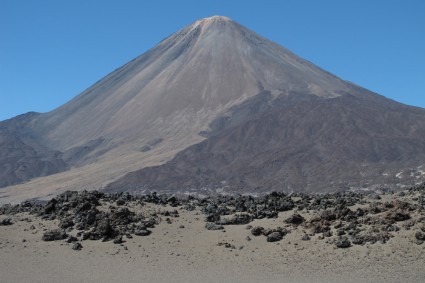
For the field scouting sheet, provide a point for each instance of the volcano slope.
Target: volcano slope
(298, 142)
(217, 107)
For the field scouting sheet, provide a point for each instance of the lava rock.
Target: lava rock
(54, 235)
(257, 231)
(121, 216)
(71, 239)
(375, 208)
(142, 232)
(237, 219)
(398, 215)
(226, 245)
(327, 234)
(282, 203)
(213, 217)
(320, 227)
(305, 237)
(6, 222)
(66, 223)
(104, 228)
(420, 236)
(83, 206)
(295, 219)
(118, 240)
(269, 231)
(274, 237)
(338, 225)
(50, 206)
(77, 246)
(358, 240)
(392, 228)
(343, 242)
(328, 215)
(213, 226)
(376, 236)
(359, 212)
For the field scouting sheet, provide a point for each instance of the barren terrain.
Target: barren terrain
(180, 248)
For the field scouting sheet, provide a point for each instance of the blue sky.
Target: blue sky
(50, 51)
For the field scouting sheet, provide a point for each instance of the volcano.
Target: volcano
(215, 107)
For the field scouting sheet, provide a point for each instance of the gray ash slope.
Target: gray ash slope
(22, 156)
(216, 105)
(299, 142)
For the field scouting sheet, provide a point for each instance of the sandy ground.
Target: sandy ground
(173, 253)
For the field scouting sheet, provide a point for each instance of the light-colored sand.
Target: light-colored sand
(191, 254)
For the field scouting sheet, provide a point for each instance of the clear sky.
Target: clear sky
(50, 51)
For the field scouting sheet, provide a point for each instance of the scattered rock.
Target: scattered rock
(71, 239)
(274, 237)
(229, 246)
(295, 219)
(281, 230)
(213, 226)
(142, 232)
(54, 235)
(338, 225)
(328, 215)
(226, 245)
(305, 237)
(398, 215)
(257, 231)
(420, 236)
(319, 226)
(358, 240)
(6, 222)
(66, 223)
(77, 246)
(373, 222)
(327, 234)
(50, 207)
(342, 242)
(118, 240)
(104, 228)
(237, 219)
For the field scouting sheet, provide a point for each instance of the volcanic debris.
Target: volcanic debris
(344, 218)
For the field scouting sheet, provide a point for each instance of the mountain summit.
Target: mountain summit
(196, 74)
(215, 107)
